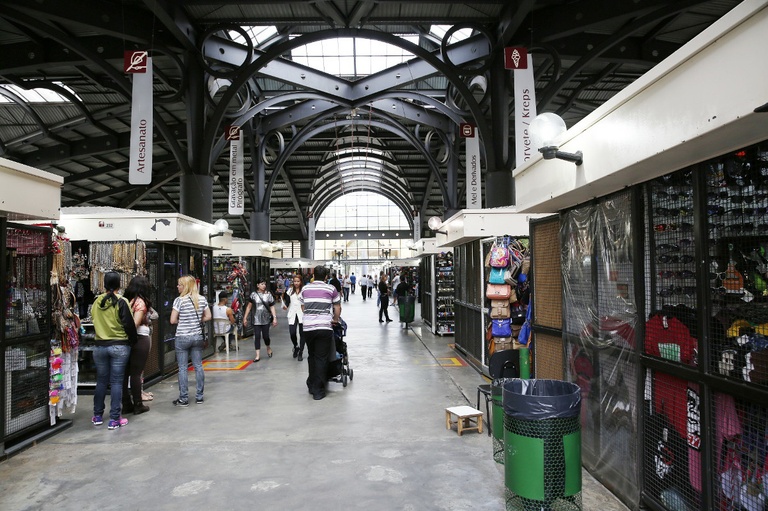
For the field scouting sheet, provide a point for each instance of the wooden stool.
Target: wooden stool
(466, 416)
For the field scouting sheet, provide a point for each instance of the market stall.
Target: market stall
(161, 247)
(32, 377)
(471, 233)
(234, 271)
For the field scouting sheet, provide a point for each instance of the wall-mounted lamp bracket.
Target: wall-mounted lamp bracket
(551, 152)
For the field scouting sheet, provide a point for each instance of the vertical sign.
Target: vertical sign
(236, 170)
(139, 64)
(469, 133)
(518, 59)
(416, 225)
(311, 234)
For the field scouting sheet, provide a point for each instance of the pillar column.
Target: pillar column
(306, 252)
(196, 197)
(260, 229)
(499, 189)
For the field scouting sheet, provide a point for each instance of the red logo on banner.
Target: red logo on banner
(232, 133)
(515, 57)
(135, 61)
(467, 130)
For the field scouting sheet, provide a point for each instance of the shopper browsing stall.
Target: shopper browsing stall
(115, 333)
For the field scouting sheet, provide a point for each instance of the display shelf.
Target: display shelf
(444, 294)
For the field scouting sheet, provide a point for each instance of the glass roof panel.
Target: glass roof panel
(440, 30)
(38, 95)
(351, 57)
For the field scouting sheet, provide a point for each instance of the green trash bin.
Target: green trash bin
(542, 445)
(407, 305)
(497, 414)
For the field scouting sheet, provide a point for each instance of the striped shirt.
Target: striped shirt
(318, 299)
(189, 318)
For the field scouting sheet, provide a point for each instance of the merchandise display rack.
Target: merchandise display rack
(444, 294)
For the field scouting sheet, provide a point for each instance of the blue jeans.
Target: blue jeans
(111, 362)
(186, 347)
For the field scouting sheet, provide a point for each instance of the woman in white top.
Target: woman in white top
(295, 316)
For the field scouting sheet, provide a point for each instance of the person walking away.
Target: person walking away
(137, 293)
(321, 304)
(364, 286)
(281, 287)
(263, 305)
(334, 281)
(295, 316)
(353, 281)
(222, 311)
(384, 299)
(372, 283)
(395, 283)
(115, 334)
(190, 311)
(346, 286)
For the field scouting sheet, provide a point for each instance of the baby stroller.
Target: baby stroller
(338, 369)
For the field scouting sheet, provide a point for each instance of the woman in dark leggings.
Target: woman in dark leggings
(263, 305)
(137, 293)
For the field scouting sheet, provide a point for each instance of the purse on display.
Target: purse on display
(497, 276)
(499, 309)
(501, 328)
(498, 291)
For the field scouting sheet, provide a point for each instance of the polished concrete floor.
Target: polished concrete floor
(260, 442)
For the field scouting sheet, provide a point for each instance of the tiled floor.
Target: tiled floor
(260, 442)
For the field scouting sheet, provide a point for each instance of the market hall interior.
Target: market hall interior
(261, 441)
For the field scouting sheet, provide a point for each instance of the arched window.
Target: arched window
(363, 224)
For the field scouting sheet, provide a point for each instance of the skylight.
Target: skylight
(257, 34)
(351, 57)
(440, 30)
(37, 95)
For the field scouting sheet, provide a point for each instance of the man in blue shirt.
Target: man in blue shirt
(353, 279)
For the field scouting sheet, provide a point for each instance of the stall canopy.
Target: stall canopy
(472, 224)
(28, 193)
(115, 224)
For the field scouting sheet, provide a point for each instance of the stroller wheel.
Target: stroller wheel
(344, 379)
(351, 373)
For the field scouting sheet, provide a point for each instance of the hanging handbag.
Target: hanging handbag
(499, 309)
(501, 328)
(498, 291)
(496, 276)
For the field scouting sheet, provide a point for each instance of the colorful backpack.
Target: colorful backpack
(499, 256)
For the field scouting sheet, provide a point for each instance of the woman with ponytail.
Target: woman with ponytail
(190, 311)
(115, 334)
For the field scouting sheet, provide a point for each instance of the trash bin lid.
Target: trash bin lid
(541, 399)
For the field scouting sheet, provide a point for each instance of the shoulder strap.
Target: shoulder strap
(262, 300)
(198, 315)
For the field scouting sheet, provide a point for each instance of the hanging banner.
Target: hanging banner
(469, 133)
(139, 64)
(525, 101)
(416, 226)
(311, 234)
(236, 170)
